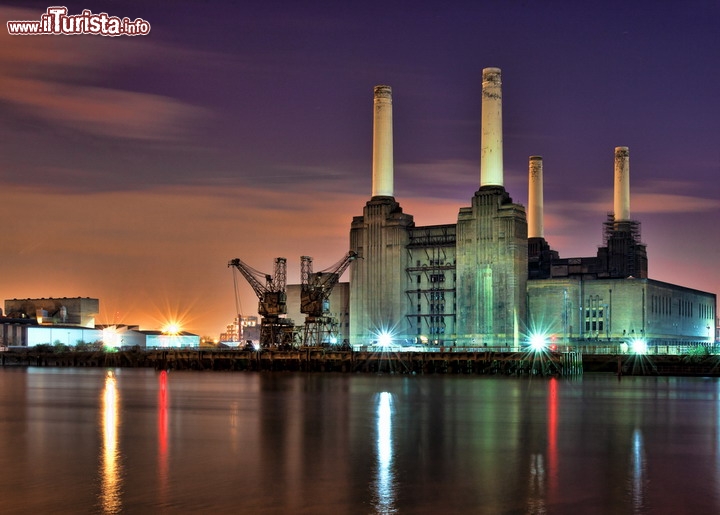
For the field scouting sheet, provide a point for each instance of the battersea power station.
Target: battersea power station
(491, 279)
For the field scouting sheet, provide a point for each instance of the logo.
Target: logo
(57, 21)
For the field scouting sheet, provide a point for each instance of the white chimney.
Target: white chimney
(382, 172)
(622, 184)
(491, 145)
(535, 198)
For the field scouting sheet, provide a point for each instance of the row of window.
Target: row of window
(435, 278)
(594, 325)
(663, 305)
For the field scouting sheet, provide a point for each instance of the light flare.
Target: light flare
(639, 346)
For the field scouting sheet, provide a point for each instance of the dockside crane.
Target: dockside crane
(315, 291)
(275, 330)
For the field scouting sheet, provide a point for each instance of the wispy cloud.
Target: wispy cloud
(653, 198)
(449, 178)
(111, 112)
(46, 77)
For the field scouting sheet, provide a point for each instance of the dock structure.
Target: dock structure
(312, 359)
(568, 363)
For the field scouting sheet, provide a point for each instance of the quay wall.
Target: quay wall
(324, 360)
(309, 360)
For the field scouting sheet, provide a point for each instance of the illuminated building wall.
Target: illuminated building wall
(577, 310)
(378, 281)
(70, 336)
(492, 263)
(156, 339)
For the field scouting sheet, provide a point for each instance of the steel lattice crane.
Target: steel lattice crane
(315, 291)
(274, 330)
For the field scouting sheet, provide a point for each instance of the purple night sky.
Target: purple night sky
(133, 168)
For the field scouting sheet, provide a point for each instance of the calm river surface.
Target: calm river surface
(142, 441)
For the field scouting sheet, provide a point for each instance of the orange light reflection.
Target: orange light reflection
(162, 422)
(110, 500)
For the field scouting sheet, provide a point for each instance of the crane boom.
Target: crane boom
(272, 297)
(316, 287)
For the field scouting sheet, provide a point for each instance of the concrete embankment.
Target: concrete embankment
(328, 360)
(310, 360)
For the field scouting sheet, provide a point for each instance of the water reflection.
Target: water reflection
(536, 497)
(543, 477)
(552, 437)
(637, 471)
(110, 500)
(162, 424)
(385, 476)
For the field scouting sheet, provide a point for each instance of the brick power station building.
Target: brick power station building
(492, 279)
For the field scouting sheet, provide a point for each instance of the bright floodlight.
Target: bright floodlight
(111, 338)
(384, 339)
(172, 328)
(639, 346)
(538, 342)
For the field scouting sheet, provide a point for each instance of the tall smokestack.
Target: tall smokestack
(382, 173)
(535, 198)
(491, 151)
(622, 184)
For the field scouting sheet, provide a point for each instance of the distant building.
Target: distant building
(76, 311)
(71, 322)
(242, 330)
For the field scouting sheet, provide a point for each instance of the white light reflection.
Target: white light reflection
(110, 501)
(637, 471)
(385, 481)
(536, 486)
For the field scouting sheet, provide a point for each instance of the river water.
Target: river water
(142, 441)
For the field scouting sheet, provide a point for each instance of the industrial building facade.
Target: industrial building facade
(492, 279)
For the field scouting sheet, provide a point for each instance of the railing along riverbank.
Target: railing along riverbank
(562, 362)
(311, 359)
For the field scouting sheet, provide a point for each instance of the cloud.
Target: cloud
(110, 112)
(47, 77)
(449, 179)
(669, 203)
(654, 198)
